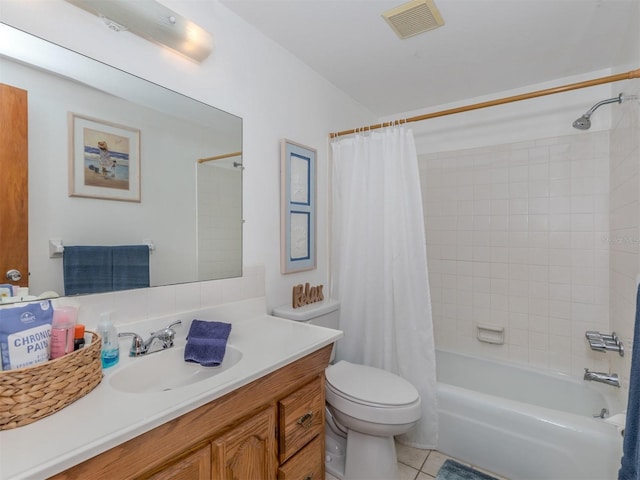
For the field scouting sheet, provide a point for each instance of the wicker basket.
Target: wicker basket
(31, 393)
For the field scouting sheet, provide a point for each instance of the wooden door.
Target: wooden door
(14, 212)
(248, 451)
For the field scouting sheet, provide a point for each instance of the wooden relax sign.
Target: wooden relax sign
(305, 294)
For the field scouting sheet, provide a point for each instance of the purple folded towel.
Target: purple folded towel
(207, 342)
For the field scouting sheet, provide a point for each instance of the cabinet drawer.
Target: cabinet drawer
(307, 464)
(195, 466)
(301, 418)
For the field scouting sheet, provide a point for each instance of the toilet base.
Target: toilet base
(370, 457)
(335, 449)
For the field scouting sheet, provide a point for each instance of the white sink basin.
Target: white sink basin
(167, 370)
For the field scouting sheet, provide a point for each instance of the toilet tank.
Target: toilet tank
(324, 314)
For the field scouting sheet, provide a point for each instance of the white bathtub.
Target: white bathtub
(524, 423)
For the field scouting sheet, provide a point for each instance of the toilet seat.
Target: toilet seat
(371, 394)
(370, 386)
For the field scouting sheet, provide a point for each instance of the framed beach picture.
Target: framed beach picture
(298, 207)
(104, 160)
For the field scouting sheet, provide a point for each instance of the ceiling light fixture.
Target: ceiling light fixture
(414, 17)
(152, 21)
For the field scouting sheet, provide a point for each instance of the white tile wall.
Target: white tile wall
(517, 237)
(624, 239)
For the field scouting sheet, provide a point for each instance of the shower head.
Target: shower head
(584, 122)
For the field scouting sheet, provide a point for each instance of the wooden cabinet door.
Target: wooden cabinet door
(14, 214)
(248, 451)
(195, 466)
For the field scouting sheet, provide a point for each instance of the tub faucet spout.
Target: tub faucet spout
(608, 378)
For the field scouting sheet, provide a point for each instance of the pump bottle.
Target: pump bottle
(110, 353)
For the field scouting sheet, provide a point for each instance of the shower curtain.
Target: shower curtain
(379, 265)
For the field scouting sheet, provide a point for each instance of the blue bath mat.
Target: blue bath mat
(452, 470)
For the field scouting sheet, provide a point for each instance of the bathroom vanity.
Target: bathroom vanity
(261, 418)
(272, 424)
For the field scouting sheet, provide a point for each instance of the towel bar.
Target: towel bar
(56, 247)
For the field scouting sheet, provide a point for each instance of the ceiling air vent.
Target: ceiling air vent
(414, 17)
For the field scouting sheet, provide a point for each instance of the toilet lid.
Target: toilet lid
(371, 386)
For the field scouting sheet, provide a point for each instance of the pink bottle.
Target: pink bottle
(62, 331)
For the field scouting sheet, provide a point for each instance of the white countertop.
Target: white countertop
(107, 417)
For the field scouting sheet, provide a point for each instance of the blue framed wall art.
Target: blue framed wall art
(298, 204)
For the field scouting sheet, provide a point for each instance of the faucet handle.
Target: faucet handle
(603, 342)
(167, 334)
(174, 324)
(137, 344)
(169, 328)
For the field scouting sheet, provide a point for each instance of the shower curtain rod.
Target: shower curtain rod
(491, 103)
(219, 157)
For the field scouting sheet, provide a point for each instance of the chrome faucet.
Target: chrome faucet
(140, 347)
(608, 378)
(602, 343)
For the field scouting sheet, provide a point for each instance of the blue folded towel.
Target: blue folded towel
(630, 464)
(207, 342)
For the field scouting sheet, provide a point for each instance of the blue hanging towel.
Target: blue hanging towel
(630, 466)
(87, 269)
(130, 267)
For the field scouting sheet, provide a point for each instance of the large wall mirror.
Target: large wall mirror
(190, 205)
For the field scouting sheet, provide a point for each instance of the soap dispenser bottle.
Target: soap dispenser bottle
(110, 353)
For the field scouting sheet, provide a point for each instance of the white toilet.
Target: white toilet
(366, 407)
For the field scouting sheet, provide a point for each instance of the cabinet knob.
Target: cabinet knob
(305, 420)
(309, 477)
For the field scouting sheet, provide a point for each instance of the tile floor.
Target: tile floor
(416, 464)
